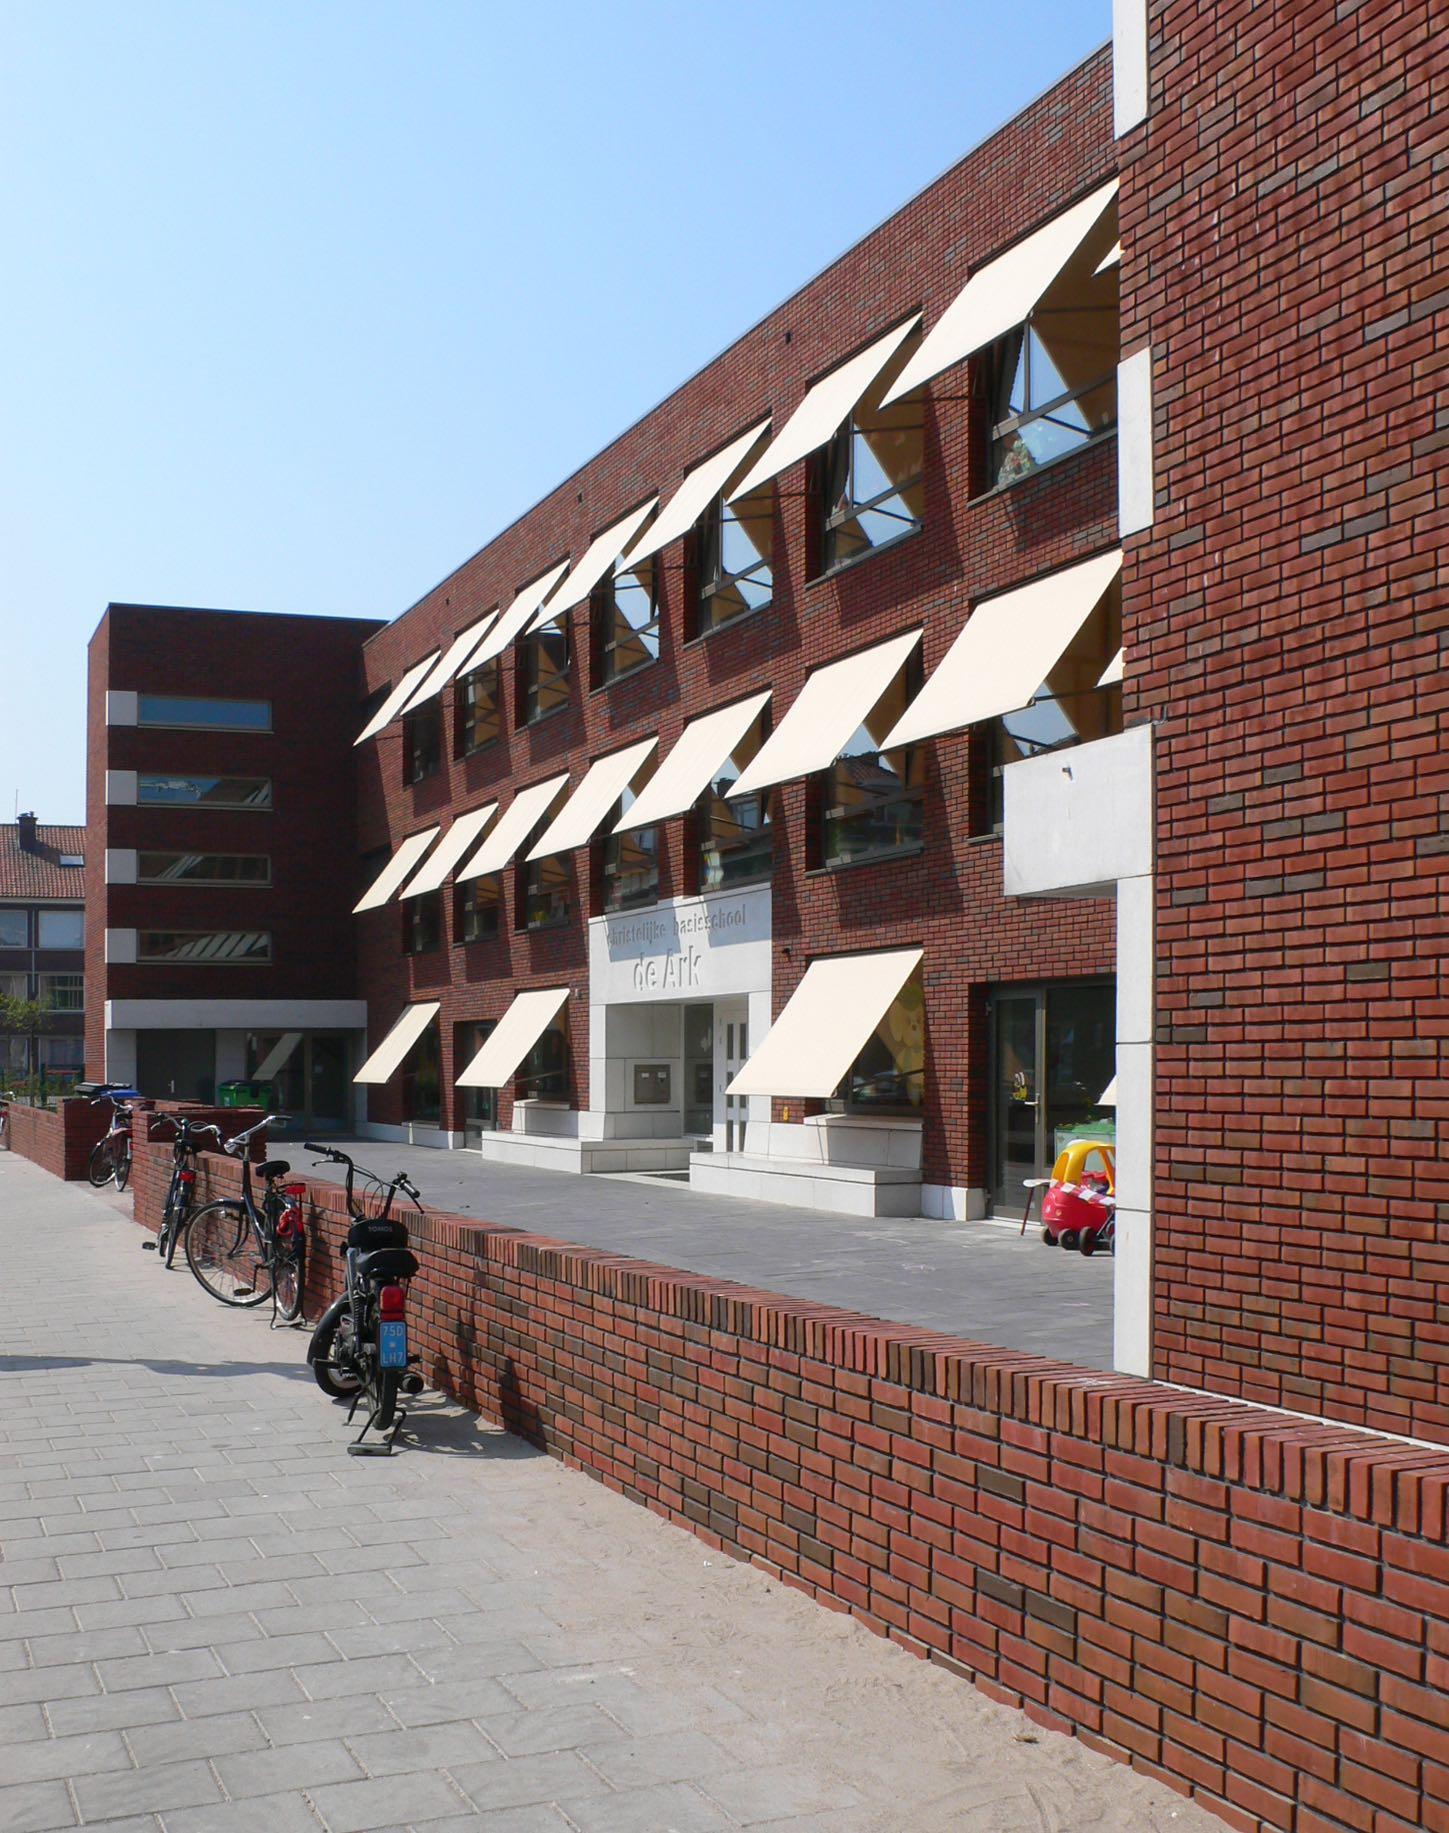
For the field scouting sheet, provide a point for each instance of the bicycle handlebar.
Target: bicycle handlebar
(244, 1139)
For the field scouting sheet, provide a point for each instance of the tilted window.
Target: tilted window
(736, 846)
(545, 664)
(182, 790)
(422, 919)
(873, 800)
(889, 1075)
(734, 558)
(870, 485)
(631, 863)
(422, 749)
(204, 947)
(626, 620)
(547, 891)
(1054, 379)
(477, 718)
(478, 908)
(203, 869)
(545, 1071)
(422, 1075)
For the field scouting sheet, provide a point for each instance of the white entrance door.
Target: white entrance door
(731, 1026)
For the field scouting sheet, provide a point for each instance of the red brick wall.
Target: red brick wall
(950, 899)
(1285, 619)
(308, 668)
(1251, 1607)
(59, 1139)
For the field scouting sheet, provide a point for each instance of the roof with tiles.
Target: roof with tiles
(38, 874)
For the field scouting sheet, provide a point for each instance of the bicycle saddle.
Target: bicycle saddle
(274, 1167)
(388, 1263)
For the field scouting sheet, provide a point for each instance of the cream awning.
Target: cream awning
(396, 870)
(513, 827)
(398, 1042)
(518, 614)
(819, 415)
(595, 561)
(605, 781)
(699, 489)
(1009, 645)
(999, 295)
(1112, 258)
(826, 1023)
(1114, 670)
(453, 661)
(833, 703)
(1108, 1096)
(397, 699)
(701, 748)
(511, 1039)
(449, 850)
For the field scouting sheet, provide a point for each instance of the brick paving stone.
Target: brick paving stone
(278, 1638)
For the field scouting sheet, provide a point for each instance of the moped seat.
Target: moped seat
(387, 1263)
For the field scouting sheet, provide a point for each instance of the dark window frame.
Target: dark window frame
(710, 577)
(203, 803)
(267, 959)
(527, 1074)
(532, 891)
(422, 923)
(611, 874)
(528, 649)
(467, 902)
(604, 618)
(203, 725)
(462, 714)
(832, 819)
(235, 882)
(421, 761)
(836, 504)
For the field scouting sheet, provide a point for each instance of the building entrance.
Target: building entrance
(308, 1074)
(1053, 1052)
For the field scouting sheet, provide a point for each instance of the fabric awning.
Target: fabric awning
(701, 748)
(398, 1042)
(397, 699)
(452, 662)
(511, 1039)
(999, 295)
(1008, 647)
(826, 1023)
(1108, 1096)
(449, 850)
(513, 827)
(1112, 258)
(819, 415)
(396, 870)
(604, 782)
(515, 619)
(594, 562)
(834, 701)
(699, 489)
(1114, 670)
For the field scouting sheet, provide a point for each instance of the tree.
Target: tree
(26, 1018)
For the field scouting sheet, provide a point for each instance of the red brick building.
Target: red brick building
(1008, 739)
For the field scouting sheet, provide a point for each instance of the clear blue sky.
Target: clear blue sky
(304, 301)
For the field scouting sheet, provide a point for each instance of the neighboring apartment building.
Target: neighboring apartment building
(42, 946)
(221, 830)
(997, 698)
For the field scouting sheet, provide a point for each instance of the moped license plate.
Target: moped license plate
(392, 1345)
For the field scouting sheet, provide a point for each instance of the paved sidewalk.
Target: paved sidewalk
(980, 1280)
(212, 1619)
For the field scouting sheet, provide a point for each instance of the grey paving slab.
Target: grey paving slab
(502, 1643)
(980, 1280)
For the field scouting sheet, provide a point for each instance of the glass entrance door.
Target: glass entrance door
(1053, 1052)
(699, 1071)
(480, 1105)
(734, 1036)
(307, 1074)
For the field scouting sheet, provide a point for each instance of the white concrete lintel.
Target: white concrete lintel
(225, 1014)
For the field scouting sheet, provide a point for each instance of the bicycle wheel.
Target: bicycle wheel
(290, 1278)
(101, 1168)
(224, 1253)
(180, 1213)
(123, 1164)
(4, 1129)
(336, 1382)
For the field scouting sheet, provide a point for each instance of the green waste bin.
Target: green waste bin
(241, 1093)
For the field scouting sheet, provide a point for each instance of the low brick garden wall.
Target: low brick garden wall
(1252, 1607)
(60, 1139)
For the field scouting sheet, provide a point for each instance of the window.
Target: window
(736, 846)
(476, 720)
(204, 869)
(422, 1076)
(545, 1072)
(543, 672)
(546, 889)
(422, 923)
(872, 803)
(870, 474)
(215, 715)
(63, 992)
(480, 1105)
(422, 746)
(62, 1055)
(889, 1075)
(626, 620)
(1069, 708)
(631, 864)
(181, 791)
(1054, 379)
(734, 551)
(60, 929)
(14, 929)
(478, 905)
(204, 947)
(14, 986)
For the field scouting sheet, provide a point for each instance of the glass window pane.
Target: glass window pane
(205, 947)
(890, 1071)
(14, 929)
(204, 868)
(155, 790)
(61, 929)
(182, 710)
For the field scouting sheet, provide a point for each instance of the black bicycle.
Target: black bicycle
(244, 1252)
(181, 1193)
(110, 1160)
(359, 1350)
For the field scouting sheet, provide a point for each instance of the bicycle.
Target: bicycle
(359, 1350)
(110, 1160)
(6, 1097)
(242, 1252)
(182, 1189)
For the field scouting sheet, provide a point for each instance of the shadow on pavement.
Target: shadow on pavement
(18, 1365)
